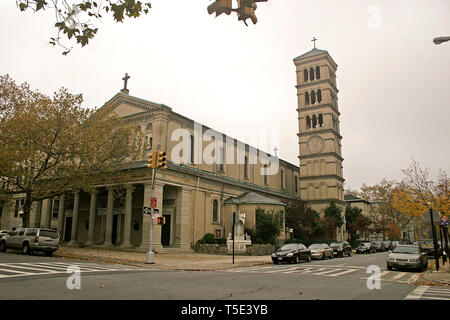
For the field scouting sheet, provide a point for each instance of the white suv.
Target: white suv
(31, 239)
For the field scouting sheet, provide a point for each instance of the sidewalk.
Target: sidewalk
(442, 276)
(188, 261)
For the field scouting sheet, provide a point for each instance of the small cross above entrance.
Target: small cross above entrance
(314, 40)
(125, 82)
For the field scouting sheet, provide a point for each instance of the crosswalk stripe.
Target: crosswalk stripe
(325, 272)
(434, 298)
(413, 278)
(342, 273)
(82, 267)
(384, 273)
(12, 271)
(416, 293)
(438, 293)
(398, 276)
(33, 268)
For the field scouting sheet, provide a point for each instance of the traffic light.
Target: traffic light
(161, 220)
(152, 161)
(246, 10)
(162, 160)
(219, 7)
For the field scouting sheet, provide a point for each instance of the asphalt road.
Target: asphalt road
(39, 277)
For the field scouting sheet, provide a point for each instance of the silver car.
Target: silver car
(321, 251)
(31, 239)
(408, 257)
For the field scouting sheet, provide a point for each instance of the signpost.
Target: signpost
(232, 231)
(430, 216)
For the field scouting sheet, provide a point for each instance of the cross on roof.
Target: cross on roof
(125, 79)
(275, 150)
(314, 40)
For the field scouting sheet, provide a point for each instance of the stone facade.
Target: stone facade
(320, 148)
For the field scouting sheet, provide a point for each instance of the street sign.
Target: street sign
(146, 210)
(436, 217)
(153, 202)
(155, 213)
(444, 221)
(218, 233)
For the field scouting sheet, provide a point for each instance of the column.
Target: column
(45, 212)
(109, 217)
(92, 210)
(128, 212)
(61, 215)
(76, 207)
(48, 213)
(182, 216)
(146, 220)
(37, 215)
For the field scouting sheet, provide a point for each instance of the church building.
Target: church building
(198, 197)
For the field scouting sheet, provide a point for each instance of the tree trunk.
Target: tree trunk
(27, 210)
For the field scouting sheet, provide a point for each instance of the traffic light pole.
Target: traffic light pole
(150, 253)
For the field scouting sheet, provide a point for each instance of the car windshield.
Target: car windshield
(291, 246)
(410, 250)
(336, 245)
(386, 242)
(366, 244)
(316, 246)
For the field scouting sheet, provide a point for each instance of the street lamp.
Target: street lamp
(439, 40)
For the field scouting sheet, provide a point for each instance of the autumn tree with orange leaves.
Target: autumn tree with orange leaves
(51, 145)
(417, 192)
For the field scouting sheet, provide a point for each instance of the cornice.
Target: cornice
(319, 131)
(317, 82)
(328, 176)
(319, 106)
(321, 155)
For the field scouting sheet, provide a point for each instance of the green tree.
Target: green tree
(267, 227)
(51, 145)
(303, 219)
(332, 219)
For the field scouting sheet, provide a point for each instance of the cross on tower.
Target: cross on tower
(314, 40)
(125, 79)
(275, 150)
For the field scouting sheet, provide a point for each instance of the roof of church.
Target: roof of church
(311, 53)
(353, 198)
(252, 198)
(315, 52)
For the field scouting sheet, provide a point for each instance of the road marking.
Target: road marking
(342, 273)
(399, 275)
(12, 271)
(325, 272)
(413, 278)
(31, 268)
(416, 293)
(384, 273)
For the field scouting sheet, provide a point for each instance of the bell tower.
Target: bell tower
(320, 153)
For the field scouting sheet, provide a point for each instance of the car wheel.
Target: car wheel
(25, 248)
(295, 260)
(309, 258)
(3, 246)
(323, 256)
(48, 253)
(389, 268)
(350, 253)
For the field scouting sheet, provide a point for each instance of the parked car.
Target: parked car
(379, 246)
(341, 248)
(407, 256)
(291, 252)
(3, 233)
(388, 245)
(366, 247)
(427, 246)
(321, 251)
(394, 244)
(31, 239)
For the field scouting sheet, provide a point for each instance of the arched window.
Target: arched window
(246, 167)
(314, 121)
(149, 136)
(320, 120)
(305, 75)
(317, 72)
(313, 97)
(311, 74)
(308, 122)
(215, 210)
(306, 98)
(319, 96)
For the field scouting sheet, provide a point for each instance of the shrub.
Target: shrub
(209, 239)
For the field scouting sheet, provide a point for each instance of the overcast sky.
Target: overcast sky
(394, 82)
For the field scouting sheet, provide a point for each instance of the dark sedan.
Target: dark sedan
(341, 248)
(366, 247)
(292, 252)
